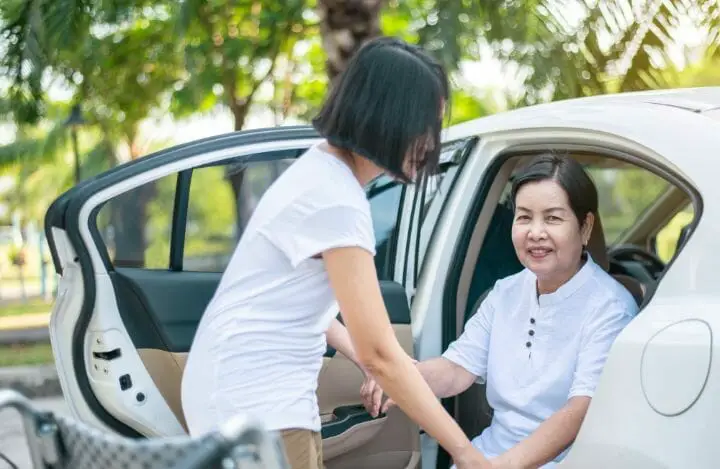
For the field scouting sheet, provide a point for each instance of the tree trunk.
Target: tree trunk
(240, 112)
(345, 25)
(129, 220)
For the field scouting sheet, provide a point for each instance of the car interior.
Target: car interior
(489, 255)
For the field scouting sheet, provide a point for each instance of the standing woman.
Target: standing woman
(309, 244)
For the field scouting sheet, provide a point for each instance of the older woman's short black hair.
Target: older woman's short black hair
(387, 106)
(568, 173)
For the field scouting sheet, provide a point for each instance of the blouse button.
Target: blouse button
(528, 344)
(532, 320)
(531, 332)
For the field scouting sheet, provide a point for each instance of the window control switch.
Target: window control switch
(125, 382)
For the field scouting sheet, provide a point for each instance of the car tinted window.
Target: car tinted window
(385, 196)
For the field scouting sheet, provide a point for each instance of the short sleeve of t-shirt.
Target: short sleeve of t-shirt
(301, 236)
(597, 340)
(470, 350)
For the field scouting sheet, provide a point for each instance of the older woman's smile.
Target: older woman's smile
(539, 252)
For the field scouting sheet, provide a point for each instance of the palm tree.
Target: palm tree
(345, 25)
(585, 47)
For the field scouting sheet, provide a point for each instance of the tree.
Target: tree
(232, 49)
(345, 25)
(565, 48)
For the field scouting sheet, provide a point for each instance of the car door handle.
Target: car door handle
(346, 417)
(352, 427)
(108, 355)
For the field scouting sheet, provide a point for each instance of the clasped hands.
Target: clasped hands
(372, 398)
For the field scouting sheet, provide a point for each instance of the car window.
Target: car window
(223, 197)
(624, 193)
(384, 195)
(666, 240)
(433, 193)
(136, 226)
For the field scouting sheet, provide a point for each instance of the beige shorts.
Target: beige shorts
(303, 448)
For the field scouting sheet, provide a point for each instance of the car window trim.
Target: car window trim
(179, 220)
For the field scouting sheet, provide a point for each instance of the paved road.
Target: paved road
(12, 436)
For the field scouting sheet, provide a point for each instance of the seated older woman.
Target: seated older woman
(541, 337)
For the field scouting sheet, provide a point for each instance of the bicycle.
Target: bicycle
(57, 442)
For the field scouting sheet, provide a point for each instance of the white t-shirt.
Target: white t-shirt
(259, 347)
(537, 352)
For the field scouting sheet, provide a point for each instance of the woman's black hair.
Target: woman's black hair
(568, 173)
(386, 106)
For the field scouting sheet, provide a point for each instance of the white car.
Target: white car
(140, 250)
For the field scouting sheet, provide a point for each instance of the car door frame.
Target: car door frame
(71, 317)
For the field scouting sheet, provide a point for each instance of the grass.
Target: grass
(17, 307)
(26, 354)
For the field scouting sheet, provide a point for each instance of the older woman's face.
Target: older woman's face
(547, 236)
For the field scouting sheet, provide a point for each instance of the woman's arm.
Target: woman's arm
(550, 439)
(444, 377)
(339, 339)
(352, 275)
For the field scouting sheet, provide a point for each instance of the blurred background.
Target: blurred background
(86, 85)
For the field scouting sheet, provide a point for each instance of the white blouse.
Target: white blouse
(535, 353)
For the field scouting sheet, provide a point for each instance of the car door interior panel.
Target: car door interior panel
(162, 309)
(390, 441)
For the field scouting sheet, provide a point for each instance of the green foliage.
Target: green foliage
(304, 91)
(19, 308)
(35, 150)
(624, 194)
(26, 354)
(143, 65)
(667, 238)
(230, 49)
(565, 48)
(467, 106)
(158, 224)
(211, 220)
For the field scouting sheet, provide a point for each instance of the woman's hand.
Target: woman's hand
(371, 394)
(353, 277)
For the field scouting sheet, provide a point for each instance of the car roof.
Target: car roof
(691, 99)
(698, 100)
(612, 112)
(704, 101)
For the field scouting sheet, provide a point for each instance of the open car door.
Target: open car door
(139, 251)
